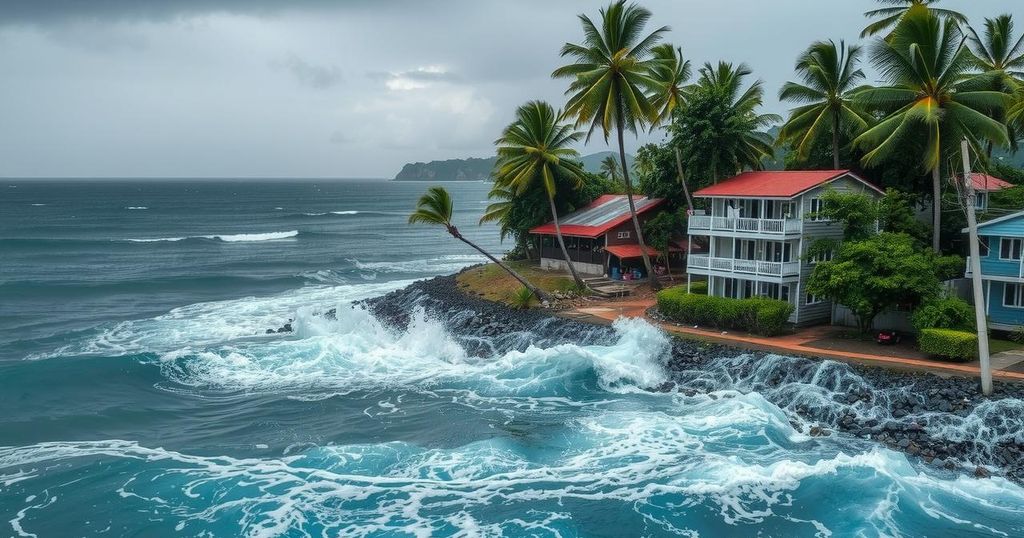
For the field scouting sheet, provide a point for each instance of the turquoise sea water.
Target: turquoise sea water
(140, 395)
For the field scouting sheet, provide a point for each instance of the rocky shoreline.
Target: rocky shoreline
(942, 421)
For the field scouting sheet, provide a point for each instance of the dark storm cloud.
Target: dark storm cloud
(48, 11)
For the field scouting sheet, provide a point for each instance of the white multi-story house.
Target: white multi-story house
(758, 230)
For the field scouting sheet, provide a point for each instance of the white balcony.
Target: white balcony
(744, 267)
(745, 226)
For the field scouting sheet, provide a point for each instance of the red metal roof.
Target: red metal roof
(630, 251)
(776, 184)
(987, 183)
(596, 219)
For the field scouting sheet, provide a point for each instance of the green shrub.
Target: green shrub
(699, 288)
(944, 313)
(521, 298)
(949, 344)
(758, 315)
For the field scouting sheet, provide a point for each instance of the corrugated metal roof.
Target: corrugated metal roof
(603, 214)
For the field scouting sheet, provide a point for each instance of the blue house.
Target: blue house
(1002, 270)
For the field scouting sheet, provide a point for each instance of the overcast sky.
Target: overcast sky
(233, 88)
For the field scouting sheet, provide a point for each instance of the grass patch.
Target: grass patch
(494, 284)
(996, 345)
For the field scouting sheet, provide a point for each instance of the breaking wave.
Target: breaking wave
(227, 238)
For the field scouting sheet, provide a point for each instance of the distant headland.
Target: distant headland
(479, 168)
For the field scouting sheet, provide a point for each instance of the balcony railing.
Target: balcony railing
(750, 267)
(753, 226)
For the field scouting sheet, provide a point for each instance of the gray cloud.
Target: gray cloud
(183, 87)
(315, 76)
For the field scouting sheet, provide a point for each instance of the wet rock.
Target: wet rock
(981, 472)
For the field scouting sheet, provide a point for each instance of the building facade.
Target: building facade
(758, 230)
(600, 237)
(1002, 270)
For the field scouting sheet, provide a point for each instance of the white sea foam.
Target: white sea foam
(227, 238)
(440, 264)
(668, 468)
(354, 351)
(136, 208)
(216, 323)
(38, 205)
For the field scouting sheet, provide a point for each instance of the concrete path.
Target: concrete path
(1008, 366)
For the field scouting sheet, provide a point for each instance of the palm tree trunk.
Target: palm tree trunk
(835, 141)
(936, 207)
(653, 278)
(561, 243)
(682, 179)
(533, 289)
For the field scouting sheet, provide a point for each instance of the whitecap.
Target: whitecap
(136, 208)
(227, 238)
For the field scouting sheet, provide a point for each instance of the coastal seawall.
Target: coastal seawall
(942, 421)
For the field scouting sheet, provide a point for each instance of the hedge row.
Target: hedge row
(699, 288)
(949, 344)
(758, 315)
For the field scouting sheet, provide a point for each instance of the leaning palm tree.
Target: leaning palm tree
(928, 100)
(890, 17)
(830, 75)
(435, 207)
(535, 150)
(1001, 58)
(610, 83)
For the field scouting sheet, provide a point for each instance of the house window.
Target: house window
(813, 299)
(983, 247)
(826, 256)
(980, 200)
(623, 235)
(816, 206)
(1013, 295)
(1009, 249)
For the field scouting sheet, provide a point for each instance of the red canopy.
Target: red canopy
(630, 251)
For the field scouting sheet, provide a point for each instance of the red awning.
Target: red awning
(630, 251)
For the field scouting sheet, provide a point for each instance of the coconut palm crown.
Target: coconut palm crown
(829, 76)
(928, 99)
(890, 17)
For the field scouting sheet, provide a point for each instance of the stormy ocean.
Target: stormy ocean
(141, 394)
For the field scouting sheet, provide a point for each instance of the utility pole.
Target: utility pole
(979, 296)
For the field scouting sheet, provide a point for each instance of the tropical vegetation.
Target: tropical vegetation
(536, 149)
(614, 84)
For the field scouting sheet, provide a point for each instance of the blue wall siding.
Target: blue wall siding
(1011, 227)
(997, 313)
(991, 265)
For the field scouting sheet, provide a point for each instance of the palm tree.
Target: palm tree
(718, 129)
(1001, 58)
(670, 73)
(890, 17)
(610, 169)
(610, 83)
(928, 99)
(535, 149)
(830, 75)
(435, 207)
